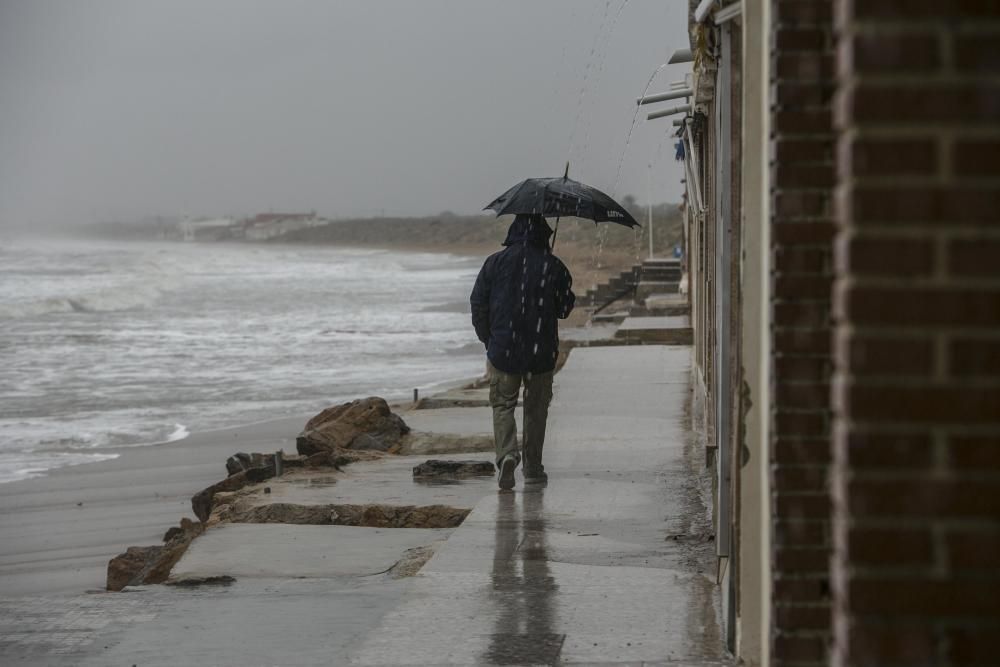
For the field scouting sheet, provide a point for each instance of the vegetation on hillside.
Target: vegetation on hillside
(592, 252)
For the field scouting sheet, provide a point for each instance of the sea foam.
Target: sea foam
(180, 432)
(115, 345)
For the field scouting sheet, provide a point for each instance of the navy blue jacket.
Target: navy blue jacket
(520, 293)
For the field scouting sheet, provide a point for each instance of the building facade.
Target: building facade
(842, 166)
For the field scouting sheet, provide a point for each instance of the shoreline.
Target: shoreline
(29, 471)
(435, 388)
(264, 424)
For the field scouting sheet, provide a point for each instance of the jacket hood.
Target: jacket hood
(529, 230)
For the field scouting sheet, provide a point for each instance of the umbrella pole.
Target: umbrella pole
(555, 234)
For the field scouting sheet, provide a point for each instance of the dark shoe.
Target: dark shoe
(507, 466)
(535, 477)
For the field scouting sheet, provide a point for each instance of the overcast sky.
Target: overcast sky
(116, 110)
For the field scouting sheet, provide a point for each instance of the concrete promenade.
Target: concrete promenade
(607, 564)
(611, 563)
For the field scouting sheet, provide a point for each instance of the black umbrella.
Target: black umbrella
(561, 197)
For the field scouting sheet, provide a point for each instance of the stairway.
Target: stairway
(659, 276)
(653, 276)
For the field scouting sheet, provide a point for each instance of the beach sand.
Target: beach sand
(59, 531)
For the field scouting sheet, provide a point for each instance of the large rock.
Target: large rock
(237, 463)
(131, 567)
(201, 502)
(172, 552)
(151, 565)
(367, 423)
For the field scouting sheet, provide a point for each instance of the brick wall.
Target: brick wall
(802, 179)
(917, 353)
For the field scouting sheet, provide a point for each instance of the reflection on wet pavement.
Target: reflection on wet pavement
(523, 586)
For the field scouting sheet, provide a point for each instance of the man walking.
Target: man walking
(520, 293)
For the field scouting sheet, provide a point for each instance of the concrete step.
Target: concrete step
(670, 330)
(662, 261)
(647, 288)
(661, 274)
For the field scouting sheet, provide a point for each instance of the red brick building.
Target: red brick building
(844, 263)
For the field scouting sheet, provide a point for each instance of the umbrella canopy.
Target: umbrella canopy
(561, 196)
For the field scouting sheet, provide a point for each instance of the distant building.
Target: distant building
(266, 226)
(206, 229)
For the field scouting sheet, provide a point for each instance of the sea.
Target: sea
(107, 345)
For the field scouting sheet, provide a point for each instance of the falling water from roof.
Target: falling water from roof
(603, 233)
(628, 137)
(600, 71)
(586, 80)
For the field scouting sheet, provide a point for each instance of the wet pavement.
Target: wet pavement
(610, 563)
(590, 568)
(252, 622)
(278, 550)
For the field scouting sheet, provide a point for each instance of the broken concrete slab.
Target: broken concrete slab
(387, 480)
(279, 550)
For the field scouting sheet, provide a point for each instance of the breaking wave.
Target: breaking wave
(103, 301)
(180, 432)
(28, 465)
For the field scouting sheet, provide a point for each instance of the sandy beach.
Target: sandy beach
(60, 531)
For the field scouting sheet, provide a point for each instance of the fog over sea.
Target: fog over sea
(108, 345)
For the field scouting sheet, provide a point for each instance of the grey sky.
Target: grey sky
(123, 109)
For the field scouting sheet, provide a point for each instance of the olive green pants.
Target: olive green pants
(504, 389)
